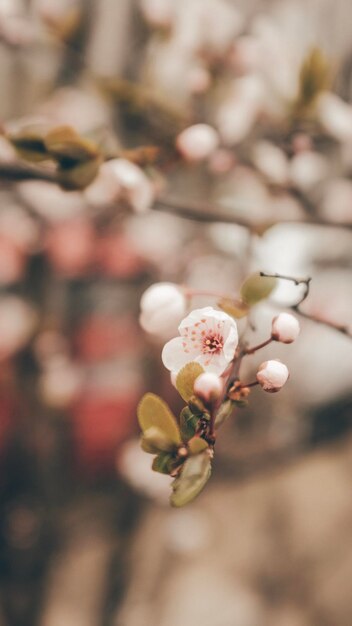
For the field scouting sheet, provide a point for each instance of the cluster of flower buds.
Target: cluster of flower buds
(204, 361)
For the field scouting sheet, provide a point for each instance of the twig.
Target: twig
(344, 330)
(15, 171)
(212, 214)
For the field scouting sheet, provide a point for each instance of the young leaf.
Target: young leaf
(186, 378)
(235, 308)
(197, 445)
(164, 463)
(188, 423)
(224, 412)
(193, 477)
(256, 288)
(154, 441)
(154, 412)
(68, 148)
(78, 176)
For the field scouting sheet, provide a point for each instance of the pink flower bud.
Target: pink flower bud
(208, 387)
(163, 305)
(197, 142)
(272, 375)
(285, 328)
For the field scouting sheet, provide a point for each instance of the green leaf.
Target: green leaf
(186, 378)
(256, 288)
(188, 423)
(68, 148)
(78, 176)
(194, 475)
(235, 308)
(152, 412)
(197, 445)
(224, 413)
(154, 441)
(313, 79)
(164, 463)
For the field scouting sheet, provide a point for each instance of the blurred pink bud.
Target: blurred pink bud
(285, 328)
(199, 79)
(158, 13)
(60, 382)
(17, 322)
(308, 169)
(335, 116)
(197, 142)
(245, 55)
(105, 188)
(12, 261)
(163, 305)
(70, 247)
(222, 161)
(208, 387)
(239, 110)
(137, 187)
(271, 161)
(116, 256)
(272, 375)
(17, 226)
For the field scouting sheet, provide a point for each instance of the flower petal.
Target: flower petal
(174, 356)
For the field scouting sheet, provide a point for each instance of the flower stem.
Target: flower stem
(258, 347)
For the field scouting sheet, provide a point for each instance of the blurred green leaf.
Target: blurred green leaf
(78, 176)
(164, 463)
(313, 79)
(188, 423)
(224, 413)
(194, 475)
(154, 441)
(197, 445)
(68, 148)
(235, 308)
(256, 288)
(154, 412)
(186, 378)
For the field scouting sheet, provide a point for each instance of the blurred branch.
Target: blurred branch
(310, 316)
(203, 212)
(16, 171)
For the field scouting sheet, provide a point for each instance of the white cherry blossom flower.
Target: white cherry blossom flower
(208, 337)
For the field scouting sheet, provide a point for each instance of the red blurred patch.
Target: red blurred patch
(117, 258)
(100, 424)
(70, 247)
(102, 337)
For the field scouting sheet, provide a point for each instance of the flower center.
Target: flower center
(212, 343)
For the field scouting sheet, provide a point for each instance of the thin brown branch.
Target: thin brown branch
(341, 328)
(16, 171)
(212, 214)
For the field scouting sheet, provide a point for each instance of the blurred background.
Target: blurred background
(87, 537)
